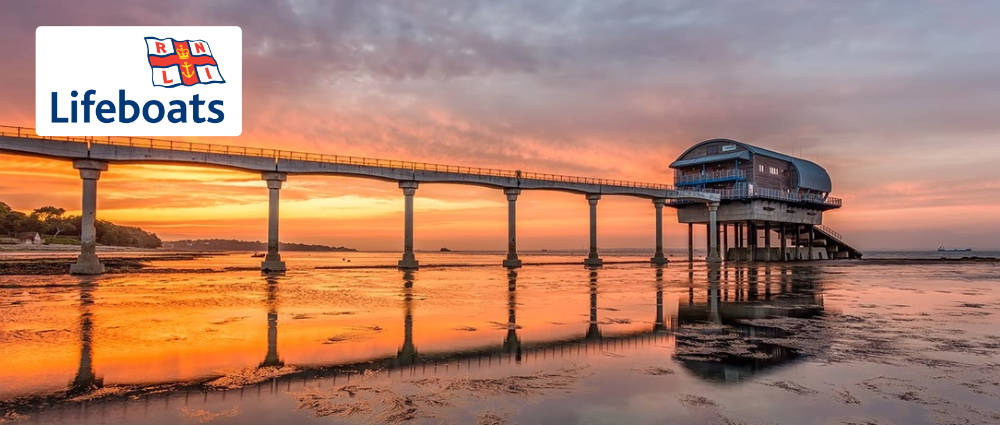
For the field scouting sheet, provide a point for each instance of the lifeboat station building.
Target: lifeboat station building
(772, 204)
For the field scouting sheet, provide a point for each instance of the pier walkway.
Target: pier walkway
(92, 155)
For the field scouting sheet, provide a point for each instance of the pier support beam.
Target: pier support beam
(751, 241)
(87, 262)
(784, 243)
(658, 257)
(409, 261)
(708, 238)
(713, 232)
(811, 233)
(272, 261)
(511, 261)
(725, 242)
(767, 241)
(690, 242)
(798, 244)
(592, 259)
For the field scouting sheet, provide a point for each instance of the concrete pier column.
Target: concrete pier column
(767, 241)
(592, 259)
(408, 261)
(87, 262)
(658, 257)
(713, 232)
(784, 243)
(690, 242)
(708, 237)
(798, 243)
(751, 241)
(811, 236)
(272, 261)
(725, 242)
(511, 261)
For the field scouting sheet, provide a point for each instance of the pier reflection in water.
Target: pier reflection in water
(552, 340)
(85, 380)
(271, 359)
(736, 347)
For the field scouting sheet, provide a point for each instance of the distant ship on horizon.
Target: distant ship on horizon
(941, 248)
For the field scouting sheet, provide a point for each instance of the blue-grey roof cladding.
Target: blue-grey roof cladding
(811, 175)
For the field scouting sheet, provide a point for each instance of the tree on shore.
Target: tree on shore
(50, 220)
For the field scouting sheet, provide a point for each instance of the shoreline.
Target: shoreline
(139, 263)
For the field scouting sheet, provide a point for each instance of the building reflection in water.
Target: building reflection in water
(407, 354)
(512, 343)
(272, 359)
(707, 351)
(85, 378)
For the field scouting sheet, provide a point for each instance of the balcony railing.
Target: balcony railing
(176, 145)
(776, 194)
(709, 177)
(741, 193)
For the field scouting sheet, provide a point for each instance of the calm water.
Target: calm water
(794, 344)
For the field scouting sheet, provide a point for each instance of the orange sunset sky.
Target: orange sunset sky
(898, 102)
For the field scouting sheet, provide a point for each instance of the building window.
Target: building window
(761, 168)
(774, 170)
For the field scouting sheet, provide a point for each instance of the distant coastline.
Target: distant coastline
(218, 245)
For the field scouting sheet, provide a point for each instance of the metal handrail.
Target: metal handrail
(688, 177)
(774, 194)
(839, 237)
(176, 145)
(828, 230)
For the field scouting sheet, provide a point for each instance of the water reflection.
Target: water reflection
(407, 354)
(85, 378)
(271, 359)
(735, 346)
(593, 331)
(658, 323)
(713, 306)
(512, 343)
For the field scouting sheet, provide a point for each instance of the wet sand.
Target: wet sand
(841, 342)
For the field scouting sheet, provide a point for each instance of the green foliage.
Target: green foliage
(109, 233)
(49, 220)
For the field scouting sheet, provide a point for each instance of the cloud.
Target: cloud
(885, 95)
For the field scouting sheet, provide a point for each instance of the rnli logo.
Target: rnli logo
(187, 82)
(181, 62)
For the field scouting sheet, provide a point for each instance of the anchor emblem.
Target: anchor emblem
(187, 72)
(184, 54)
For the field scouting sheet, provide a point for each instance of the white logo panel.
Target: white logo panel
(122, 70)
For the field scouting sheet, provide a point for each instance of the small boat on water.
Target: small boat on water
(943, 249)
(257, 255)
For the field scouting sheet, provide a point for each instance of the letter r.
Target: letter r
(161, 48)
